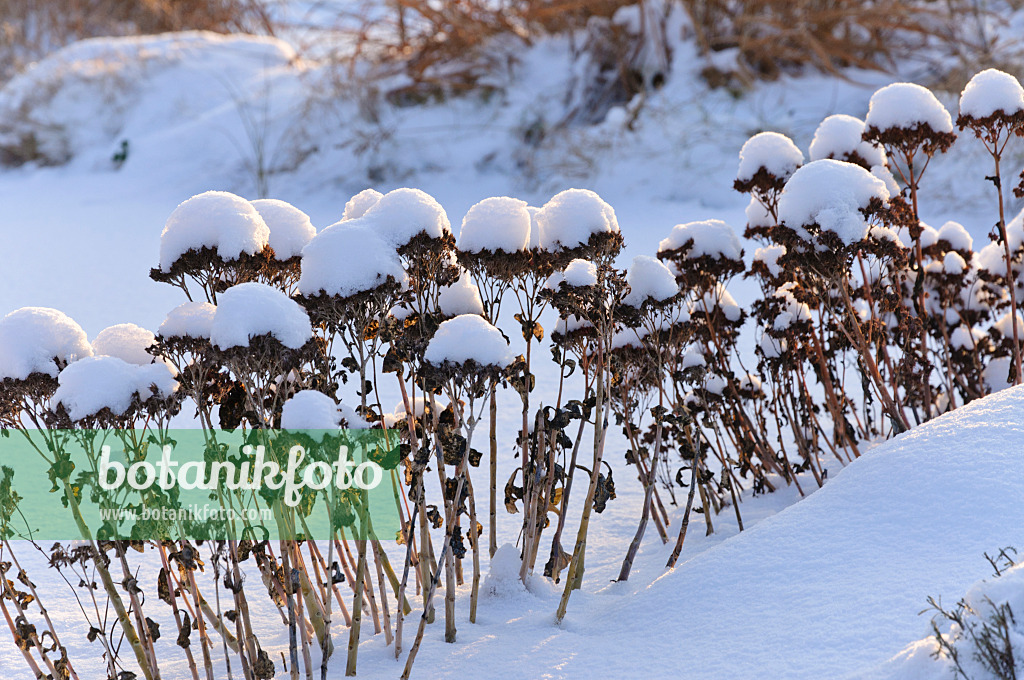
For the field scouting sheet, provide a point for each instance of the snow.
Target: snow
(1005, 326)
(711, 238)
(502, 579)
(496, 223)
(841, 135)
(462, 297)
(579, 273)
(956, 236)
(831, 194)
(213, 219)
(94, 383)
(793, 311)
(360, 203)
(402, 214)
(771, 347)
(770, 255)
(310, 410)
(992, 91)
(571, 323)
(249, 310)
(963, 337)
(290, 228)
(572, 216)
(907, 105)
(772, 151)
(469, 337)
(649, 279)
(127, 342)
(189, 320)
(719, 297)
(348, 258)
(953, 263)
(757, 215)
(694, 357)
(32, 337)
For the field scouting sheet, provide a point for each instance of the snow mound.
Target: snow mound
(842, 574)
(189, 320)
(772, 151)
(127, 342)
(579, 273)
(249, 310)
(956, 236)
(831, 194)
(403, 214)
(907, 105)
(214, 219)
(770, 255)
(992, 91)
(32, 337)
(462, 297)
(839, 136)
(497, 223)
(469, 338)
(347, 258)
(502, 579)
(290, 228)
(310, 410)
(572, 216)
(711, 238)
(94, 383)
(720, 298)
(649, 279)
(360, 203)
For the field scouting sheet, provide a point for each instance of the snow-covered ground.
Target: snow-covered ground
(828, 587)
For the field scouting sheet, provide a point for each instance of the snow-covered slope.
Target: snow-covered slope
(828, 588)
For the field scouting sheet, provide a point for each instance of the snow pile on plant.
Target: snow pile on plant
(462, 297)
(579, 273)
(770, 151)
(290, 228)
(357, 206)
(909, 106)
(497, 223)
(347, 258)
(469, 338)
(310, 410)
(649, 279)
(32, 337)
(401, 215)
(992, 91)
(250, 310)
(94, 383)
(833, 195)
(127, 342)
(841, 136)
(502, 579)
(572, 216)
(219, 220)
(189, 320)
(710, 238)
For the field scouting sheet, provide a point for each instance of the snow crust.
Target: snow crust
(907, 105)
(649, 278)
(290, 228)
(469, 337)
(992, 91)
(572, 216)
(213, 219)
(249, 310)
(94, 383)
(711, 238)
(189, 320)
(772, 151)
(347, 258)
(32, 337)
(831, 194)
(127, 342)
(840, 135)
(496, 223)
